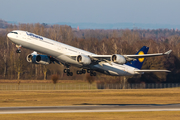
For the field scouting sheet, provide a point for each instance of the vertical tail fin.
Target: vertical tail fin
(139, 61)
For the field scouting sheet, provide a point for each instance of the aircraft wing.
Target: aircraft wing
(151, 71)
(128, 57)
(147, 55)
(101, 57)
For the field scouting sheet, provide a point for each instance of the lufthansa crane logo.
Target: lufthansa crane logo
(141, 59)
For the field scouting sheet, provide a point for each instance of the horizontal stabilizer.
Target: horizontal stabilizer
(152, 71)
(168, 52)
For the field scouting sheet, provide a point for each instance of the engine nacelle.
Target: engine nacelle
(38, 59)
(118, 59)
(84, 59)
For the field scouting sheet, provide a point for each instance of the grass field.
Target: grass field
(46, 85)
(75, 85)
(96, 116)
(89, 97)
(42, 81)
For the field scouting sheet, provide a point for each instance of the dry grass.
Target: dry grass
(96, 116)
(42, 81)
(89, 97)
(95, 97)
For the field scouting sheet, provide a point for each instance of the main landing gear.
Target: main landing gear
(18, 50)
(88, 71)
(68, 72)
(92, 73)
(81, 71)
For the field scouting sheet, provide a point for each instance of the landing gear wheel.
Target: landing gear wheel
(88, 70)
(91, 74)
(18, 51)
(68, 70)
(83, 71)
(94, 73)
(71, 73)
(79, 72)
(65, 70)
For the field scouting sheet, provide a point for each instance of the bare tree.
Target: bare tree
(55, 78)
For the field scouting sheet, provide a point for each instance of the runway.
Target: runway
(91, 108)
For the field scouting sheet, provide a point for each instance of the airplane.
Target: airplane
(57, 52)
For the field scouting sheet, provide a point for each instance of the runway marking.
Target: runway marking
(84, 111)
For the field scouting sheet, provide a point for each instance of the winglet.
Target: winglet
(168, 52)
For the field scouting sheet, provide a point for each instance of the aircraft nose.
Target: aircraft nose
(9, 35)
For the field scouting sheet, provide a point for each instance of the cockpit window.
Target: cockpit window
(14, 32)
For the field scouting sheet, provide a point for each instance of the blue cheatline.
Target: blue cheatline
(139, 61)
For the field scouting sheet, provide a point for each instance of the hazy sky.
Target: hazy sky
(93, 11)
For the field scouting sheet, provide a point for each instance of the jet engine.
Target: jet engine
(118, 59)
(38, 59)
(84, 59)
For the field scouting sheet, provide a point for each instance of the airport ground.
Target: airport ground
(92, 97)
(164, 115)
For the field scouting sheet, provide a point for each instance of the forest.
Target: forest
(99, 41)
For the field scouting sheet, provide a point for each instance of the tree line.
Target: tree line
(123, 41)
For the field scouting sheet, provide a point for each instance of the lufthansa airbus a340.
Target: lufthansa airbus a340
(116, 64)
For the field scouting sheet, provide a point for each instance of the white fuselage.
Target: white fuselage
(63, 53)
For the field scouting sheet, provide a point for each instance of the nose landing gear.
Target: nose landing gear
(18, 50)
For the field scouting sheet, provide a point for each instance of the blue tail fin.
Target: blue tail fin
(139, 61)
